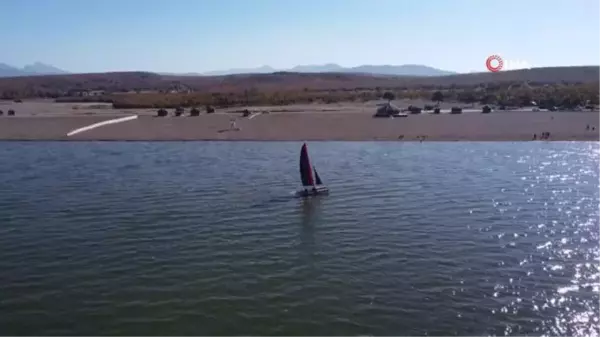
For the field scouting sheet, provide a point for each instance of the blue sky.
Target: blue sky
(204, 35)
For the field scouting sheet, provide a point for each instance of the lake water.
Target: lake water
(203, 238)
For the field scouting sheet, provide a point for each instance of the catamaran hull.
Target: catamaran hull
(313, 192)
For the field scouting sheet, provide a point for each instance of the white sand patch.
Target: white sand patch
(97, 125)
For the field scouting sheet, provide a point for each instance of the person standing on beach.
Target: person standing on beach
(232, 124)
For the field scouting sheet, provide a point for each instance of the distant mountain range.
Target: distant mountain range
(399, 70)
(37, 68)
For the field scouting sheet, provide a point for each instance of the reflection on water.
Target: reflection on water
(309, 215)
(310, 209)
(207, 238)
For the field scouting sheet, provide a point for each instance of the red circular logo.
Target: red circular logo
(494, 63)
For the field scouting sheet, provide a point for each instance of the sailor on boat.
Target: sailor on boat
(314, 189)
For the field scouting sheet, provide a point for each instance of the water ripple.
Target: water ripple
(206, 238)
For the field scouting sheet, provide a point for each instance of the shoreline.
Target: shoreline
(285, 141)
(298, 128)
(298, 123)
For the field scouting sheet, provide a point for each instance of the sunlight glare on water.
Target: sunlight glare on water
(572, 239)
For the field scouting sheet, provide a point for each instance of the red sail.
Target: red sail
(305, 169)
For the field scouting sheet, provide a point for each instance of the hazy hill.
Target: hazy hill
(37, 68)
(31, 86)
(260, 70)
(8, 71)
(403, 70)
(43, 69)
(400, 70)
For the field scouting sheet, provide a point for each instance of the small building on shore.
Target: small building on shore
(85, 93)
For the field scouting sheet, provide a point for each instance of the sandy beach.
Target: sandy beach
(351, 121)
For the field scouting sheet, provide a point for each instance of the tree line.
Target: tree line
(565, 96)
(508, 94)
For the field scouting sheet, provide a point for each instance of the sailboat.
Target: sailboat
(311, 182)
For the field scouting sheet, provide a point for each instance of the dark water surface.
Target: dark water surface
(206, 238)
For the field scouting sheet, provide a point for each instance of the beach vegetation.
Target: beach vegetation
(437, 96)
(389, 96)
